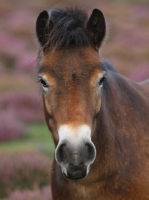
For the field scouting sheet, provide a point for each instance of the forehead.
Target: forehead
(80, 62)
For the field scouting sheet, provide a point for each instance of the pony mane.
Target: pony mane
(68, 28)
(108, 66)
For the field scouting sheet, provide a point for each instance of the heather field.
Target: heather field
(26, 146)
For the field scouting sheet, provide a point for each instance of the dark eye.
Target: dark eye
(101, 81)
(43, 83)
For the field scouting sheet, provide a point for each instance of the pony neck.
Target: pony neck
(117, 139)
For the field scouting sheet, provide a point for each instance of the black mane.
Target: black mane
(68, 28)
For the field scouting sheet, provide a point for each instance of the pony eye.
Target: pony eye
(101, 81)
(43, 83)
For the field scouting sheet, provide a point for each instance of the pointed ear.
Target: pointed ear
(43, 26)
(96, 27)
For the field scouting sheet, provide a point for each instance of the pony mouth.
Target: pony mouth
(75, 175)
(73, 178)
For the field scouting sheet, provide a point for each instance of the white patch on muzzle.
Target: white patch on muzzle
(75, 138)
(74, 134)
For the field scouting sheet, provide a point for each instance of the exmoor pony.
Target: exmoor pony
(99, 119)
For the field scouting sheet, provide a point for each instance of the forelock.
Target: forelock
(69, 29)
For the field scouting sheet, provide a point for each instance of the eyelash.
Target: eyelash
(101, 81)
(43, 83)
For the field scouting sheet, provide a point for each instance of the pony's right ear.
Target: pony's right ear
(43, 26)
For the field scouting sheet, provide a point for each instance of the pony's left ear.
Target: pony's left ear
(96, 27)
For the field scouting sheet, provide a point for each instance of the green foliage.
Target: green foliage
(38, 138)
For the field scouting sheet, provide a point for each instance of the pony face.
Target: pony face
(72, 87)
(71, 78)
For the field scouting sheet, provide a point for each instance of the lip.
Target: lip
(73, 178)
(69, 178)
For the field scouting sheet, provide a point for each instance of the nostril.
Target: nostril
(61, 154)
(89, 153)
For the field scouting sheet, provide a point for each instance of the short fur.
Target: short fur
(117, 112)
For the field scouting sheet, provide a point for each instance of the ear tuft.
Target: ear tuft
(42, 27)
(96, 27)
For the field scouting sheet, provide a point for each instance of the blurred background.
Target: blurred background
(26, 146)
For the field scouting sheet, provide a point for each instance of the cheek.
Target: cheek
(97, 100)
(50, 121)
(53, 128)
(98, 105)
(48, 106)
(47, 113)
